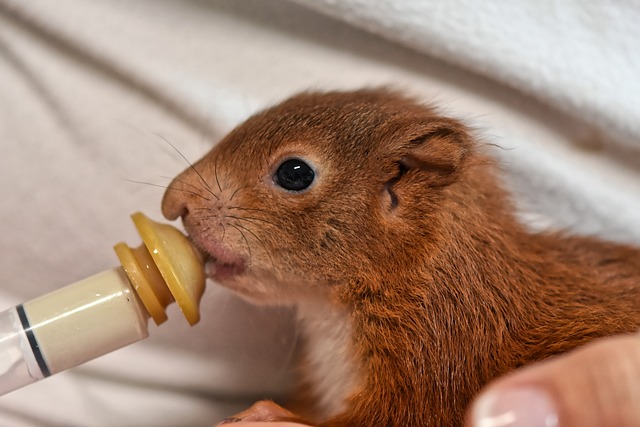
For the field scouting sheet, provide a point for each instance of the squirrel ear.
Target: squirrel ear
(440, 152)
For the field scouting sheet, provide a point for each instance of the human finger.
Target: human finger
(597, 385)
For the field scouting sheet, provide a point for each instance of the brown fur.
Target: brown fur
(408, 231)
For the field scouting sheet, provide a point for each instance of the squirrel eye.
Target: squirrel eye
(294, 175)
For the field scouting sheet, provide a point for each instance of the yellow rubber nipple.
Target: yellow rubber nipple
(164, 269)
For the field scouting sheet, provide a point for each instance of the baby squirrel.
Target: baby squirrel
(384, 223)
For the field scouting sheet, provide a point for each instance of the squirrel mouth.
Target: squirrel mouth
(219, 270)
(220, 262)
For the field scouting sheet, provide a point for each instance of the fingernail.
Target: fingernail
(230, 420)
(520, 407)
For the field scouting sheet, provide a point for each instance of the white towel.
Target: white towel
(580, 57)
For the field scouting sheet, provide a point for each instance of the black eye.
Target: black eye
(294, 175)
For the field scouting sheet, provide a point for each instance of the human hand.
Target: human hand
(597, 385)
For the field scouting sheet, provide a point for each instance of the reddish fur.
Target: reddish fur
(445, 291)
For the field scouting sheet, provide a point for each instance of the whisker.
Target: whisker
(248, 209)
(190, 165)
(195, 188)
(201, 232)
(244, 237)
(261, 242)
(169, 187)
(234, 193)
(249, 219)
(215, 173)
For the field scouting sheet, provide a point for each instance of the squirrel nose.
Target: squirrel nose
(174, 201)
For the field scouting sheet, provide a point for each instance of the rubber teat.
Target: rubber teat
(164, 269)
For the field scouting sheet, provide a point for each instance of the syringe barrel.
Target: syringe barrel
(68, 327)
